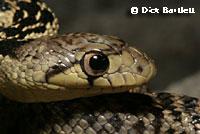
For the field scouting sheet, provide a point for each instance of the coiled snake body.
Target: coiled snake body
(53, 78)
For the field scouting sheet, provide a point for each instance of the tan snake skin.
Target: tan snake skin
(56, 68)
(36, 66)
(49, 69)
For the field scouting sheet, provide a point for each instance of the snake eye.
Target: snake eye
(95, 63)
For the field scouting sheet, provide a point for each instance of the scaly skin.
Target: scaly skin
(52, 68)
(56, 68)
(123, 113)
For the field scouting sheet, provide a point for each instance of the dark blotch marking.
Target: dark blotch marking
(139, 126)
(56, 69)
(196, 119)
(28, 55)
(116, 122)
(46, 17)
(7, 47)
(89, 118)
(91, 80)
(4, 5)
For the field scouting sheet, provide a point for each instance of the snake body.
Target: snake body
(121, 113)
(37, 65)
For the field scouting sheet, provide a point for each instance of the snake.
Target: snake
(79, 83)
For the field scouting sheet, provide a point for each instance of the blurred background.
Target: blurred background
(173, 41)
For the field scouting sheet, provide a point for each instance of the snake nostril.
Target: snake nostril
(139, 69)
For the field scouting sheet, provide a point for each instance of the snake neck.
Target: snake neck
(23, 21)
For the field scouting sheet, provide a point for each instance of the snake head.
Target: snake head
(101, 64)
(72, 66)
(116, 66)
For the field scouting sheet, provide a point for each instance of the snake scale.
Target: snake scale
(64, 84)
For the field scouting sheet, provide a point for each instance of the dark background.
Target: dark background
(173, 41)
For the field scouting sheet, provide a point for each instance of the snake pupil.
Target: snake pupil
(99, 62)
